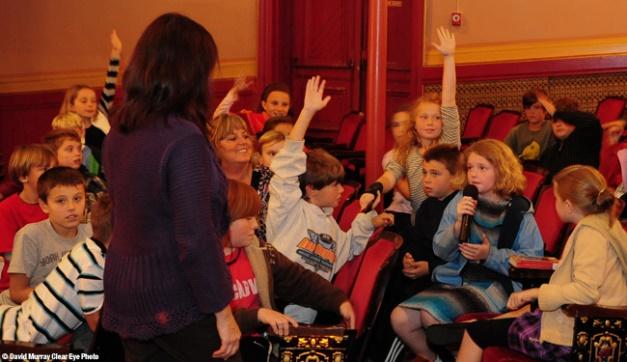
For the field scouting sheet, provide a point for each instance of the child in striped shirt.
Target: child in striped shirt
(72, 294)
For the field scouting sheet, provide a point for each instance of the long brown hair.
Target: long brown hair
(168, 74)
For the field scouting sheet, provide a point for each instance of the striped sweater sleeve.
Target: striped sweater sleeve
(450, 127)
(108, 92)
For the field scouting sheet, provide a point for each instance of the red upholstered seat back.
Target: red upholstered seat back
(348, 215)
(376, 257)
(549, 223)
(348, 129)
(347, 195)
(477, 121)
(501, 123)
(345, 278)
(610, 109)
(534, 183)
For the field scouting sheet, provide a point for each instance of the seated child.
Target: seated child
(269, 144)
(275, 102)
(66, 143)
(578, 141)
(281, 124)
(443, 175)
(531, 139)
(70, 295)
(592, 270)
(74, 122)
(261, 274)
(303, 192)
(435, 120)
(26, 164)
(475, 277)
(38, 247)
(81, 99)
(401, 130)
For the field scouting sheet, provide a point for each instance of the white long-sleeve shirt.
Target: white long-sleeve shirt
(306, 233)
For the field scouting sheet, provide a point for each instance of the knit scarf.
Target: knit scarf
(490, 214)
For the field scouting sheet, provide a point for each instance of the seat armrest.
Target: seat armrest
(530, 278)
(595, 310)
(315, 330)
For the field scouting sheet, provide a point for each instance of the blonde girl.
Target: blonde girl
(81, 99)
(475, 276)
(436, 120)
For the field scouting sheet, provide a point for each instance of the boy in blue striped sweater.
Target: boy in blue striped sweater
(71, 295)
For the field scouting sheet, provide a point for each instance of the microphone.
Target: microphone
(464, 230)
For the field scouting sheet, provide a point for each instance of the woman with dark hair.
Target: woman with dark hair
(167, 286)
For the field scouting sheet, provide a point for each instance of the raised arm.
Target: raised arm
(108, 91)
(313, 102)
(232, 96)
(446, 47)
(546, 103)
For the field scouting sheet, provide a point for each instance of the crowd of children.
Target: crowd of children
(281, 244)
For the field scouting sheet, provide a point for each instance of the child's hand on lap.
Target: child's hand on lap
(414, 269)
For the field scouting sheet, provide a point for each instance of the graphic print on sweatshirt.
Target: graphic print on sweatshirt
(318, 250)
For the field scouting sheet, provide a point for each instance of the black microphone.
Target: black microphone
(464, 230)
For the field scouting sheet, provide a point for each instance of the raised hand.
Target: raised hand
(241, 84)
(312, 103)
(314, 93)
(279, 322)
(447, 41)
(116, 43)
